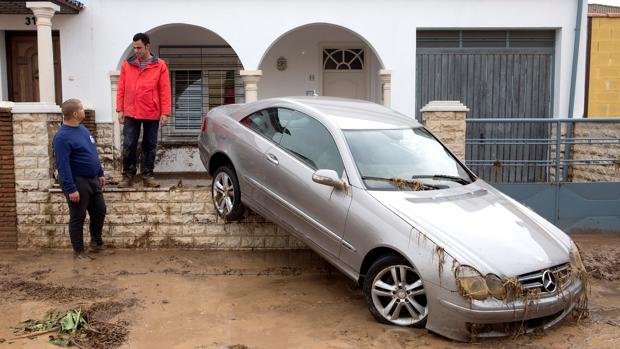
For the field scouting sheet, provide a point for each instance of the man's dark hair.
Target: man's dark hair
(142, 37)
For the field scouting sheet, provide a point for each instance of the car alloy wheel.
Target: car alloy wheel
(226, 195)
(395, 293)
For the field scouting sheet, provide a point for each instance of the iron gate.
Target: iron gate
(577, 184)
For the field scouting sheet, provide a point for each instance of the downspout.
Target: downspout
(573, 89)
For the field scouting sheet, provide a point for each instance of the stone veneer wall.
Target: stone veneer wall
(596, 173)
(110, 160)
(446, 119)
(150, 218)
(137, 217)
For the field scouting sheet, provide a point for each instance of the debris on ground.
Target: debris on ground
(89, 328)
(66, 325)
(603, 265)
(46, 291)
(238, 346)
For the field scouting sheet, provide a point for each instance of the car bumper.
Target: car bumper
(461, 320)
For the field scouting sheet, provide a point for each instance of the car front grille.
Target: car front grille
(534, 280)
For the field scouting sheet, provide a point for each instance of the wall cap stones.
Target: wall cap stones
(444, 106)
(6, 105)
(36, 108)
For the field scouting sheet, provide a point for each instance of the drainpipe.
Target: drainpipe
(573, 83)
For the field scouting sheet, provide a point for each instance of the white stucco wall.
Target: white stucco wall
(302, 49)
(94, 42)
(176, 34)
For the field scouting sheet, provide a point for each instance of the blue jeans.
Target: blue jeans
(131, 133)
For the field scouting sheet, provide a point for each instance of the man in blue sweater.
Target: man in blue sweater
(81, 178)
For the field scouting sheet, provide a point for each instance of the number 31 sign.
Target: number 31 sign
(31, 20)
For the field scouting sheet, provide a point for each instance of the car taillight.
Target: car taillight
(204, 124)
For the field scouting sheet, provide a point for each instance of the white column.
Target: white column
(114, 75)
(44, 11)
(385, 76)
(250, 82)
(4, 72)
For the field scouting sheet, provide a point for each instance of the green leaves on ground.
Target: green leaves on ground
(68, 324)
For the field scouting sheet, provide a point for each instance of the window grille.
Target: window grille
(202, 78)
(343, 59)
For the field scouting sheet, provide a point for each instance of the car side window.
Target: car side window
(267, 123)
(309, 141)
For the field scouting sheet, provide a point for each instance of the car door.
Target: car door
(315, 210)
(264, 131)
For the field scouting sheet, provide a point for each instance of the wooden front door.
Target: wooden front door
(23, 66)
(344, 72)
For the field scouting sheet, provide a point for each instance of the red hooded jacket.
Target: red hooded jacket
(144, 94)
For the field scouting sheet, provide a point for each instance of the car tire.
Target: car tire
(389, 300)
(226, 194)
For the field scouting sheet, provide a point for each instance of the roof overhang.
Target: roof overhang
(10, 7)
(609, 15)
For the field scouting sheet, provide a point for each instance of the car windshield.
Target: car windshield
(404, 159)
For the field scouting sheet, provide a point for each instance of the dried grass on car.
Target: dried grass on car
(407, 184)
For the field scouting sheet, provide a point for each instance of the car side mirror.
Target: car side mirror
(329, 177)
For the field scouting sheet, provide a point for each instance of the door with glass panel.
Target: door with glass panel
(317, 211)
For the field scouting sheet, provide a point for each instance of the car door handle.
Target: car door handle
(272, 158)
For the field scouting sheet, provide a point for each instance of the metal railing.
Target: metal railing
(507, 150)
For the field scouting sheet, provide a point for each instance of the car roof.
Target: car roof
(345, 113)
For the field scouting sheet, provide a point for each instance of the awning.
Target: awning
(10, 7)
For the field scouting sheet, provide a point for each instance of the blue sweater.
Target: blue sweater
(76, 155)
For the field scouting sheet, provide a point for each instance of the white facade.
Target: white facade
(95, 41)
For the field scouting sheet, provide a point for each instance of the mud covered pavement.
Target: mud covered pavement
(247, 300)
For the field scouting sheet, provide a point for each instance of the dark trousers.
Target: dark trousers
(131, 133)
(91, 200)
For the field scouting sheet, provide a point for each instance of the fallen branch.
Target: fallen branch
(35, 334)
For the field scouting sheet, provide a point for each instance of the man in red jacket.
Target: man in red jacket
(142, 100)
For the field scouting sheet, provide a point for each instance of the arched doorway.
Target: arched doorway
(324, 58)
(204, 74)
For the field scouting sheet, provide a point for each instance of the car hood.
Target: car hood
(479, 226)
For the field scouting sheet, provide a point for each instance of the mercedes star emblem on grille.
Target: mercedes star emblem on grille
(548, 281)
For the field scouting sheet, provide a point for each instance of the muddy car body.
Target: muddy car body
(379, 197)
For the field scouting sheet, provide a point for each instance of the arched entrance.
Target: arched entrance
(324, 58)
(204, 74)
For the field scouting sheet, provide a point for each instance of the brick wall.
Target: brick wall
(89, 122)
(8, 220)
(604, 78)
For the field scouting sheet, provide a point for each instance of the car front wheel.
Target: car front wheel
(395, 293)
(226, 194)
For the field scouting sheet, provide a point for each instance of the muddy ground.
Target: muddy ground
(241, 300)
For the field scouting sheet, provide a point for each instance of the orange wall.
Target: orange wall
(604, 84)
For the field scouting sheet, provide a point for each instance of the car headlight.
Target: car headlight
(471, 283)
(496, 286)
(576, 263)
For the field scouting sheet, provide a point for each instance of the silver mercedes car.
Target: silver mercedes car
(382, 199)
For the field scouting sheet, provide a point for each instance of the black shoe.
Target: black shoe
(94, 248)
(82, 256)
